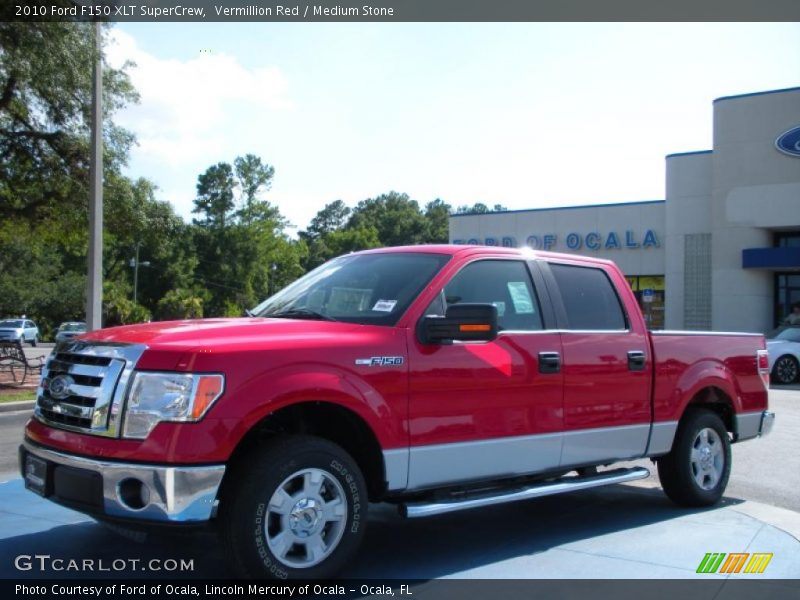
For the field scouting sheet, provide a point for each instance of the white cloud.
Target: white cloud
(182, 114)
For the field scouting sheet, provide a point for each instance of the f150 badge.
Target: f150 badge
(380, 361)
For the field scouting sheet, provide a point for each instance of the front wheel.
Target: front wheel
(294, 508)
(785, 370)
(696, 471)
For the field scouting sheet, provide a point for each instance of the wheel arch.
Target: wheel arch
(328, 420)
(717, 400)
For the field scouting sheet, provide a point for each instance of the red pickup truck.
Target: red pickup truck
(437, 378)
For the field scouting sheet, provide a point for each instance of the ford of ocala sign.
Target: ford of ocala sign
(574, 241)
(789, 142)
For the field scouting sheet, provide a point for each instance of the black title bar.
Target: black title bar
(204, 11)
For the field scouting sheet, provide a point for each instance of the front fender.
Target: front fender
(276, 389)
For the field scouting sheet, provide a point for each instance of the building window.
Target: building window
(787, 284)
(697, 281)
(649, 291)
(787, 292)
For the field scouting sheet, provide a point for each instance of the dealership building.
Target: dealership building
(720, 252)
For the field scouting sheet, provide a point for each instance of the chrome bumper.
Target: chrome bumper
(767, 422)
(754, 424)
(155, 493)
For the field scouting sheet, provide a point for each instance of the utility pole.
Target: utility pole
(94, 287)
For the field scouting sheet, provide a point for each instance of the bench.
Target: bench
(14, 362)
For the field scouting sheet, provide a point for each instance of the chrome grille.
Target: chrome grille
(83, 386)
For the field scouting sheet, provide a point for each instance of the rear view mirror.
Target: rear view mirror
(462, 322)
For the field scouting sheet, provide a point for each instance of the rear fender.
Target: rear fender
(707, 374)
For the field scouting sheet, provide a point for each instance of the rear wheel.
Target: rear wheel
(35, 341)
(295, 508)
(785, 370)
(696, 471)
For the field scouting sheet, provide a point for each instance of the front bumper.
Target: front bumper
(754, 424)
(116, 490)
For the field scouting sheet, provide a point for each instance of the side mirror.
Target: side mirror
(463, 322)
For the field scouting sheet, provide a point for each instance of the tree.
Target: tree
(215, 196)
(397, 219)
(480, 208)
(180, 303)
(45, 91)
(253, 178)
(331, 218)
(437, 215)
(243, 252)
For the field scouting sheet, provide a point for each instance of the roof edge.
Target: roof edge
(690, 153)
(524, 210)
(764, 93)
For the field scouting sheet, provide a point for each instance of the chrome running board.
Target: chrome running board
(414, 510)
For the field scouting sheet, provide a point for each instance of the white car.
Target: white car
(784, 355)
(70, 330)
(23, 330)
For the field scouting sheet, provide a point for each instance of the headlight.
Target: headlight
(156, 397)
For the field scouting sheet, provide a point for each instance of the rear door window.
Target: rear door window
(589, 297)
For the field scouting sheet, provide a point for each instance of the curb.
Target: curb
(14, 406)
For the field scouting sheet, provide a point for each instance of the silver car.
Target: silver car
(70, 330)
(23, 330)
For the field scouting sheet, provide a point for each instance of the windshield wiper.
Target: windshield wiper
(299, 313)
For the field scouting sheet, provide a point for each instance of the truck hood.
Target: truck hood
(207, 333)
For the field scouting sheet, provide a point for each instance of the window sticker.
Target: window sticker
(521, 297)
(384, 305)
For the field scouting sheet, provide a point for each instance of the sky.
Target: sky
(527, 115)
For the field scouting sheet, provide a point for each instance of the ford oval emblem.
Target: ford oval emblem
(789, 142)
(60, 387)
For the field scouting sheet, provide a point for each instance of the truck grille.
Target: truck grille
(83, 386)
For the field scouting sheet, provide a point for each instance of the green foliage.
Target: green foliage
(45, 91)
(391, 219)
(243, 253)
(480, 208)
(180, 303)
(118, 308)
(395, 216)
(437, 215)
(236, 251)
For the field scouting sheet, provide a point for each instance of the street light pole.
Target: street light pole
(136, 275)
(135, 264)
(94, 286)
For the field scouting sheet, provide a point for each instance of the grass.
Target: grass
(20, 396)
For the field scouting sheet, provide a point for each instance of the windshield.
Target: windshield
(370, 289)
(10, 323)
(790, 335)
(72, 327)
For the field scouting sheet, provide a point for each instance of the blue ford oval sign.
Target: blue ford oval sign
(789, 142)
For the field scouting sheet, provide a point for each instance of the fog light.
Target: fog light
(133, 494)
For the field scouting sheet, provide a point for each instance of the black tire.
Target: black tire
(34, 341)
(679, 476)
(248, 523)
(785, 370)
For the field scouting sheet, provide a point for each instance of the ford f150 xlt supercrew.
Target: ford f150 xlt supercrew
(438, 378)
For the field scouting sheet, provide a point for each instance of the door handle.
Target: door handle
(636, 360)
(549, 362)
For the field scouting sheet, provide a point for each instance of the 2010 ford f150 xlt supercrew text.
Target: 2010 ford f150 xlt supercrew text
(437, 378)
